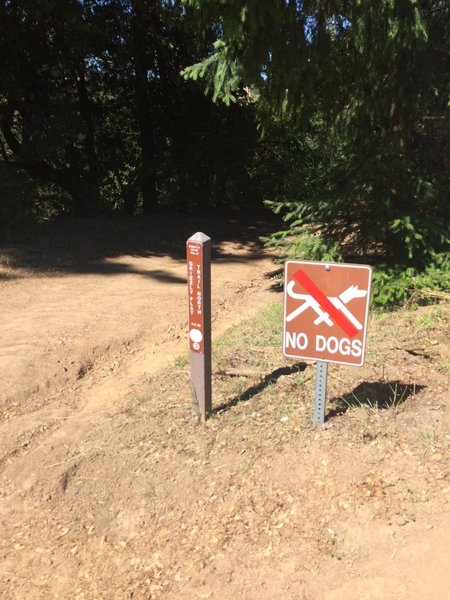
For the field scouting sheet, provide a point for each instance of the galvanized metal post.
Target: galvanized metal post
(198, 252)
(321, 393)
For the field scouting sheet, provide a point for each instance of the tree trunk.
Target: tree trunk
(149, 194)
(145, 182)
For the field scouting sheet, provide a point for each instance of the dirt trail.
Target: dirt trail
(56, 326)
(75, 347)
(73, 344)
(108, 490)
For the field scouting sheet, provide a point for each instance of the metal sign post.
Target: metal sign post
(321, 393)
(198, 255)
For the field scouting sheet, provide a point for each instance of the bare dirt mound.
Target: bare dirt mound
(77, 338)
(109, 489)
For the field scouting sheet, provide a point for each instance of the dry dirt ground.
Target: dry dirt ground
(109, 488)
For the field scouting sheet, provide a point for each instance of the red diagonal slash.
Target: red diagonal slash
(340, 319)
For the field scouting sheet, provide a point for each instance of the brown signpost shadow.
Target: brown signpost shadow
(374, 394)
(256, 388)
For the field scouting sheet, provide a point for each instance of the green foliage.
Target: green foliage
(363, 87)
(222, 75)
(95, 114)
(396, 286)
(393, 285)
(352, 101)
(305, 243)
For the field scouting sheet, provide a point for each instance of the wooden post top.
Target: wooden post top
(199, 237)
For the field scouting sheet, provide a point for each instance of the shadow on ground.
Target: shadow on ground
(117, 268)
(259, 387)
(86, 245)
(374, 394)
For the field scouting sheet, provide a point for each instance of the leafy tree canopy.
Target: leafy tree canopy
(367, 86)
(94, 111)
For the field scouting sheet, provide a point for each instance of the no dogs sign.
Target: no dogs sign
(325, 311)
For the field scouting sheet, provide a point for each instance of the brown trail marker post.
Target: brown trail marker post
(198, 257)
(326, 307)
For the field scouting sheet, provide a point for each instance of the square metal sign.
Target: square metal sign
(326, 308)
